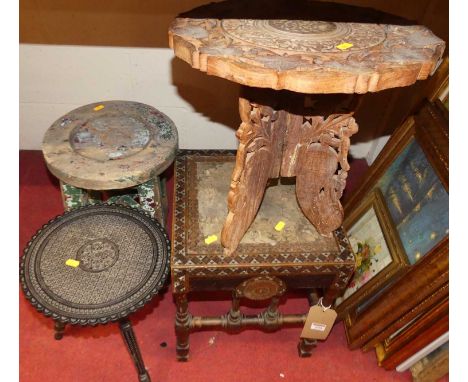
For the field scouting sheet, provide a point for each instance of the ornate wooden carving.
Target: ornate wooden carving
(261, 288)
(302, 54)
(132, 345)
(182, 327)
(274, 140)
(260, 138)
(258, 269)
(319, 182)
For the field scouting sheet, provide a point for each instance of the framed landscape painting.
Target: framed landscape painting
(417, 201)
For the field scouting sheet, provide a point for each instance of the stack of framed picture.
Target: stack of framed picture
(398, 224)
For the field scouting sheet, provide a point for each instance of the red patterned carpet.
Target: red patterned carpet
(99, 354)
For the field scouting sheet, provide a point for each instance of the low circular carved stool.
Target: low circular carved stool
(96, 264)
(117, 148)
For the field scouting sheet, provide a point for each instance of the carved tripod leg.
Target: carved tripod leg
(59, 329)
(132, 345)
(258, 159)
(319, 180)
(182, 327)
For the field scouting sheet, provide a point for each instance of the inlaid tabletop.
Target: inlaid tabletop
(95, 264)
(304, 55)
(110, 145)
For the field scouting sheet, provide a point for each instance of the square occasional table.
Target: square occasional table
(266, 263)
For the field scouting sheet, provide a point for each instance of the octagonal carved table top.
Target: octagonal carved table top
(302, 54)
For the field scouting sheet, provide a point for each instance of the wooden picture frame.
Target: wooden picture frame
(377, 248)
(365, 321)
(440, 92)
(415, 335)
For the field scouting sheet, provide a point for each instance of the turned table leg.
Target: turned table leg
(59, 328)
(330, 295)
(182, 327)
(132, 345)
(306, 346)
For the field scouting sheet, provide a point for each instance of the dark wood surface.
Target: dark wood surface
(401, 345)
(266, 261)
(424, 338)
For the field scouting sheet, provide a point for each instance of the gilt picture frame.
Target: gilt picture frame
(377, 248)
(428, 130)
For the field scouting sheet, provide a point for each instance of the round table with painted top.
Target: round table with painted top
(96, 264)
(117, 148)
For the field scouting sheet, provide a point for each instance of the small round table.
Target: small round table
(96, 264)
(116, 147)
(282, 52)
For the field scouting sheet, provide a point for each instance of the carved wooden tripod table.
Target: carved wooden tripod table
(307, 57)
(284, 132)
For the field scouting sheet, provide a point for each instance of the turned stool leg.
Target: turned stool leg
(182, 327)
(330, 295)
(305, 346)
(132, 345)
(163, 193)
(150, 199)
(73, 197)
(59, 328)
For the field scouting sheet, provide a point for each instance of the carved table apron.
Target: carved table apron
(303, 56)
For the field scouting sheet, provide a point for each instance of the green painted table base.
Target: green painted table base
(149, 196)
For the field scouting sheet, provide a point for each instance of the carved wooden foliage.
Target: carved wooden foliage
(319, 183)
(260, 138)
(278, 143)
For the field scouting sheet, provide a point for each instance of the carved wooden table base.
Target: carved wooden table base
(277, 138)
(271, 319)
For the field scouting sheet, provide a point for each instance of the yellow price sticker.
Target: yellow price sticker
(99, 107)
(344, 46)
(72, 263)
(280, 225)
(211, 239)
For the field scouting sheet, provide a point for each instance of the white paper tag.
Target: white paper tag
(318, 326)
(319, 322)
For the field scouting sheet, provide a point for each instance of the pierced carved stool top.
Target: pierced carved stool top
(110, 145)
(304, 54)
(123, 261)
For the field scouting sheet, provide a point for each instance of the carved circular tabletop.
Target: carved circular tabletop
(301, 36)
(121, 261)
(304, 55)
(110, 145)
